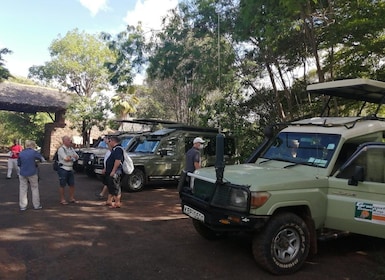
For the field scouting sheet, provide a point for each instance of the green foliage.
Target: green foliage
(124, 103)
(22, 126)
(86, 112)
(77, 62)
(190, 60)
(4, 72)
(129, 47)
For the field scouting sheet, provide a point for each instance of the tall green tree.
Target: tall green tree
(78, 64)
(130, 50)
(4, 72)
(186, 56)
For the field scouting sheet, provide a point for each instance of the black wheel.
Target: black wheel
(206, 232)
(135, 181)
(283, 246)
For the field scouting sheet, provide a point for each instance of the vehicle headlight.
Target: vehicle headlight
(92, 156)
(231, 197)
(238, 198)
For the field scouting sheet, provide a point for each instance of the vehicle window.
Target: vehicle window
(310, 148)
(146, 147)
(102, 144)
(169, 146)
(125, 142)
(371, 158)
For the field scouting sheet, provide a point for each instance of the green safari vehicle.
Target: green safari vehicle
(315, 178)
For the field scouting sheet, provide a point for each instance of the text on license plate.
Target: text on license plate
(99, 171)
(193, 213)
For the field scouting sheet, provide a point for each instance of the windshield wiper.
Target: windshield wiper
(301, 163)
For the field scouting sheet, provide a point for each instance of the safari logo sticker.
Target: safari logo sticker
(374, 213)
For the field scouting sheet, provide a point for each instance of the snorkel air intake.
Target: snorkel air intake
(220, 161)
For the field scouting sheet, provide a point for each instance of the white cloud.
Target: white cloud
(150, 13)
(95, 6)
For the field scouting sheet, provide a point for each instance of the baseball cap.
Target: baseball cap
(198, 140)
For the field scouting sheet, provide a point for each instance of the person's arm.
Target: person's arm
(116, 166)
(117, 162)
(39, 156)
(197, 161)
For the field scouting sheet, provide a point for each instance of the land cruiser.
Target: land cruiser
(160, 155)
(317, 177)
(89, 156)
(130, 130)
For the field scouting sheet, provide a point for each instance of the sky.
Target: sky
(28, 27)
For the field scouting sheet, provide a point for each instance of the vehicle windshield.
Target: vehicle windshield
(102, 144)
(303, 148)
(146, 147)
(126, 141)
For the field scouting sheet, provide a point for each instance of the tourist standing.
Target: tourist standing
(14, 152)
(66, 156)
(29, 175)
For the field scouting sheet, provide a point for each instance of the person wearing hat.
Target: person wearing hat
(29, 175)
(193, 156)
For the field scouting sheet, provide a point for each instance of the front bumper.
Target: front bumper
(220, 219)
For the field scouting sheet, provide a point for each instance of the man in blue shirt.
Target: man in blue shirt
(28, 174)
(114, 170)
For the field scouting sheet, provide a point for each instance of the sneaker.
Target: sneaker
(39, 207)
(23, 209)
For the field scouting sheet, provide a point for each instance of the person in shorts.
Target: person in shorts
(114, 170)
(67, 156)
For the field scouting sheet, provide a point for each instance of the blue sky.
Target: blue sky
(28, 27)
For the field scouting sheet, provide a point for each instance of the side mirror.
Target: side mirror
(358, 176)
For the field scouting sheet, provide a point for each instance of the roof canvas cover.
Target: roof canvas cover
(357, 89)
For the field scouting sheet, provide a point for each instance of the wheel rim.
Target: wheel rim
(286, 245)
(136, 182)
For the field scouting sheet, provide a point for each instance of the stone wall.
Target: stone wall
(54, 133)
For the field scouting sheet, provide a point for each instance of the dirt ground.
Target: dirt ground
(148, 238)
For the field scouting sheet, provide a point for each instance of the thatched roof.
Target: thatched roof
(31, 99)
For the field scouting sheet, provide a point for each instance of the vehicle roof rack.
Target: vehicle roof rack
(365, 90)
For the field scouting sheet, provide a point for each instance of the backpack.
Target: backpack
(55, 159)
(127, 164)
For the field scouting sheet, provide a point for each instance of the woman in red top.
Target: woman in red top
(14, 152)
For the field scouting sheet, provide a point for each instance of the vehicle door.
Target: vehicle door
(168, 159)
(356, 195)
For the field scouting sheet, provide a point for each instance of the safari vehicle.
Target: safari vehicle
(160, 155)
(89, 156)
(315, 178)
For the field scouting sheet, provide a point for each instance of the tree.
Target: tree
(15, 125)
(4, 72)
(78, 63)
(186, 58)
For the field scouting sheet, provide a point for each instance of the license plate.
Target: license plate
(193, 213)
(80, 162)
(98, 171)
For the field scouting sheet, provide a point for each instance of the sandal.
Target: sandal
(115, 206)
(106, 204)
(74, 201)
(63, 202)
